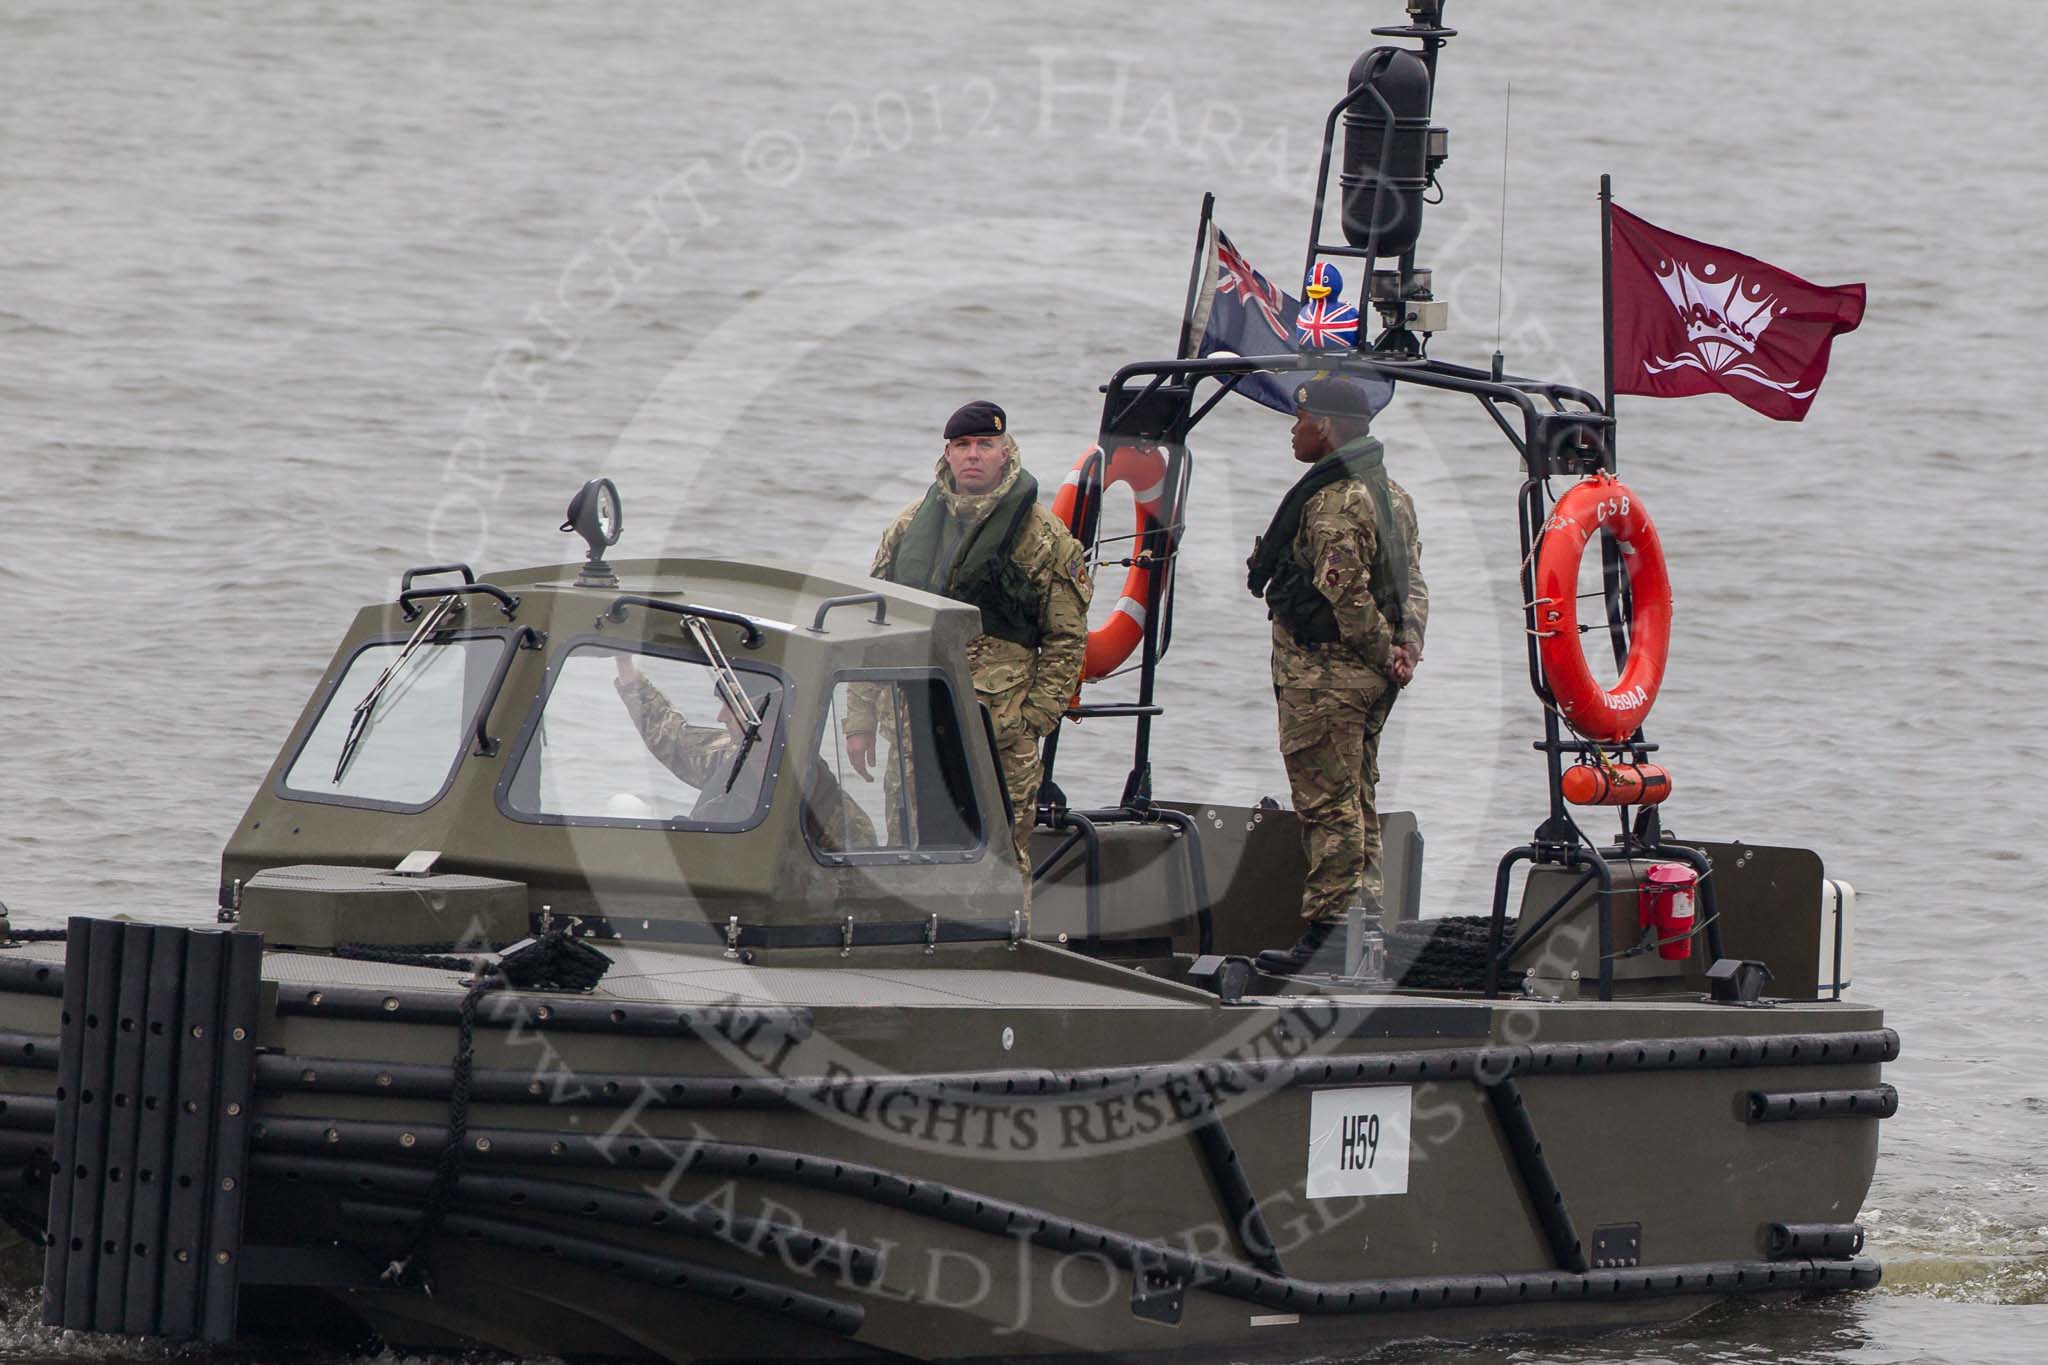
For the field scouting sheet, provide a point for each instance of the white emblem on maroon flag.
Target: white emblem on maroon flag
(1690, 317)
(1724, 318)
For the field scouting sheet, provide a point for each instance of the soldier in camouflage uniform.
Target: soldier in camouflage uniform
(1341, 571)
(979, 535)
(704, 755)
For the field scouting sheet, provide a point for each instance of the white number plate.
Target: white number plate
(1358, 1141)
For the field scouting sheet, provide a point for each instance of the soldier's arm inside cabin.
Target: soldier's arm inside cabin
(1064, 592)
(864, 700)
(695, 753)
(1335, 550)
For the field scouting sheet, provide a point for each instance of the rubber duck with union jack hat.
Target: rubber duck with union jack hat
(1324, 320)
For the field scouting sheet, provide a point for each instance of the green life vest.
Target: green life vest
(1292, 597)
(983, 574)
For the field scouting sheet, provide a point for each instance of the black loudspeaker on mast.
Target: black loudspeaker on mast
(1391, 156)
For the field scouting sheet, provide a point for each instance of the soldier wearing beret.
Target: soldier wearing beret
(1340, 568)
(979, 535)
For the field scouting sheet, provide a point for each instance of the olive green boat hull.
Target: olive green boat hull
(1068, 1127)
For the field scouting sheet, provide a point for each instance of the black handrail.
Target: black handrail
(405, 579)
(852, 599)
(1429, 374)
(751, 635)
(408, 599)
(1198, 874)
(527, 637)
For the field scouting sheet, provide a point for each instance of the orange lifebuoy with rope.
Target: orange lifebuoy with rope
(1607, 715)
(1144, 471)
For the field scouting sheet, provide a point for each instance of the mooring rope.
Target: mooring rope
(554, 961)
(410, 1269)
(441, 956)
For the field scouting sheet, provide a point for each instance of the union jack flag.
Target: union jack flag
(1326, 322)
(1235, 276)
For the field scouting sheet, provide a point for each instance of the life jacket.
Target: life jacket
(1292, 597)
(984, 573)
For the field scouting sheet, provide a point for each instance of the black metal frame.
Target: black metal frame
(1154, 402)
(1084, 831)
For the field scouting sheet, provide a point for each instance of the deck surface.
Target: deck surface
(672, 978)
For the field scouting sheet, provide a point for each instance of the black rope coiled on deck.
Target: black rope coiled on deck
(554, 961)
(1443, 954)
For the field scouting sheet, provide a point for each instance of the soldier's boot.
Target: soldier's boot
(1319, 951)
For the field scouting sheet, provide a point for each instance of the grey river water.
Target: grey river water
(294, 296)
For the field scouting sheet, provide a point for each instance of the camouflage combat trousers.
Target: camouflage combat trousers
(1022, 772)
(1330, 741)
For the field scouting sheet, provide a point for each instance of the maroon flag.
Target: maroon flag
(1693, 318)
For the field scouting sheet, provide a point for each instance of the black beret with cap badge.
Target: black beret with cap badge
(1334, 398)
(979, 418)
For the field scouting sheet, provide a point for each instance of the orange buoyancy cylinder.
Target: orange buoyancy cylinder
(1609, 715)
(1616, 784)
(1144, 471)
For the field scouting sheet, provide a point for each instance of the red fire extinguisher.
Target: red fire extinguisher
(1666, 902)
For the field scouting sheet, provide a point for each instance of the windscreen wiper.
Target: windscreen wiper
(359, 723)
(735, 693)
(747, 742)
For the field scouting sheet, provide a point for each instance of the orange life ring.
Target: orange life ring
(1609, 715)
(1144, 471)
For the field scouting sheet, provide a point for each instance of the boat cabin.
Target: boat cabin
(544, 744)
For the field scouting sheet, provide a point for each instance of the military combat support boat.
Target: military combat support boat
(754, 1059)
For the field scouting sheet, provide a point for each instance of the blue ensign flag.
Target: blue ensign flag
(1238, 311)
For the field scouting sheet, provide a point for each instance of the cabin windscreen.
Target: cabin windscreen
(891, 774)
(627, 737)
(397, 724)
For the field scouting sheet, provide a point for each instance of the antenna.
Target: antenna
(1500, 277)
